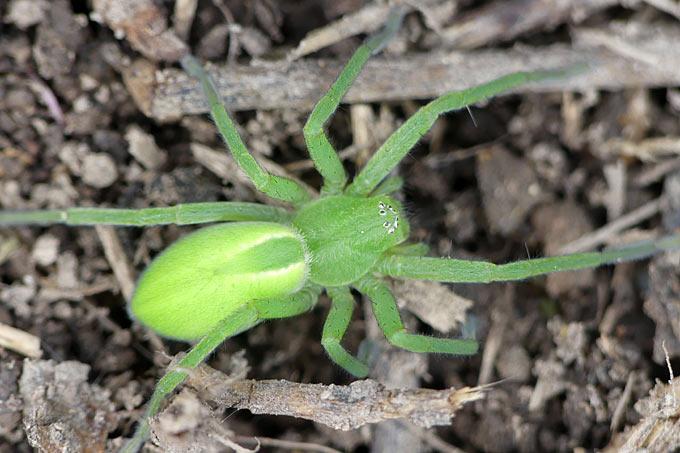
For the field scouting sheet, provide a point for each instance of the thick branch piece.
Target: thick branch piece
(301, 83)
(340, 407)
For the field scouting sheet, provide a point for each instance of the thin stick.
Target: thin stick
(19, 341)
(601, 235)
(285, 444)
(667, 6)
(117, 259)
(431, 439)
(620, 410)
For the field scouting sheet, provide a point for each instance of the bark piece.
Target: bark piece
(340, 407)
(144, 25)
(62, 411)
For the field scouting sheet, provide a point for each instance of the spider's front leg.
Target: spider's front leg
(277, 187)
(321, 151)
(463, 271)
(387, 314)
(388, 156)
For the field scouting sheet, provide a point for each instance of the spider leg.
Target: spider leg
(320, 149)
(334, 329)
(463, 271)
(390, 185)
(242, 319)
(296, 304)
(387, 315)
(274, 186)
(181, 214)
(411, 249)
(388, 156)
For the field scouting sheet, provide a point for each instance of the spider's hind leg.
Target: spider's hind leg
(242, 319)
(387, 315)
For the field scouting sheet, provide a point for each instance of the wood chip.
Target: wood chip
(143, 24)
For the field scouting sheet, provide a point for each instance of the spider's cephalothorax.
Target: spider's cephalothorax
(346, 235)
(274, 263)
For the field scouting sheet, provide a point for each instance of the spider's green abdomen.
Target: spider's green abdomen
(205, 276)
(346, 235)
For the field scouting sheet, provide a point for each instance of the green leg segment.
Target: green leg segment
(243, 319)
(334, 329)
(275, 186)
(403, 139)
(320, 149)
(411, 249)
(181, 214)
(389, 186)
(462, 271)
(296, 304)
(387, 315)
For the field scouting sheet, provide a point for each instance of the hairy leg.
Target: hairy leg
(389, 186)
(295, 304)
(181, 214)
(387, 315)
(242, 319)
(342, 306)
(321, 151)
(274, 186)
(463, 271)
(410, 249)
(407, 135)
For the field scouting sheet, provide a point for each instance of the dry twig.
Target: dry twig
(340, 407)
(505, 20)
(601, 235)
(19, 341)
(171, 95)
(117, 259)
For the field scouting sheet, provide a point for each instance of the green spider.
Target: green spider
(272, 262)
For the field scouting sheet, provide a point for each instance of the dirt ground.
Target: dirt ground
(95, 112)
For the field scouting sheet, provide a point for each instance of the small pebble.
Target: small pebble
(46, 250)
(26, 13)
(99, 170)
(144, 149)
